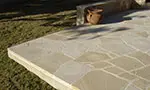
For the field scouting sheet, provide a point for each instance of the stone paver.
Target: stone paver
(143, 34)
(73, 48)
(114, 70)
(132, 88)
(116, 45)
(72, 71)
(128, 76)
(100, 65)
(55, 37)
(144, 85)
(126, 63)
(110, 56)
(92, 57)
(99, 80)
(55, 61)
(143, 57)
(144, 72)
(137, 41)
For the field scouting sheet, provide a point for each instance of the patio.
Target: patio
(112, 56)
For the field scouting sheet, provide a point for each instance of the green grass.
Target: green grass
(23, 23)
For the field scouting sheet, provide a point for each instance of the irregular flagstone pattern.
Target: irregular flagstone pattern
(99, 65)
(126, 63)
(92, 57)
(143, 57)
(143, 72)
(112, 56)
(128, 76)
(114, 70)
(99, 80)
(144, 85)
(72, 71)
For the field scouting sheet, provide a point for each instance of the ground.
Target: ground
(32, 20)
(25, 22)
(114, 55)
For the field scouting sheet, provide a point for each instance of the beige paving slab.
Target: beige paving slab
(143, 57)
(148, 52)
(143, 34)
(126, 63)
(54, 61)
(100, 65)
(110, 56)
(137, 41)
(99, 80)
(72, 71)
(116, 45)
(141, 21)
(92, 57)
(144, 85)
(132, 88)
(128, 76)
(73, 48)
(114, 70)
(55, 37)
(144, 72)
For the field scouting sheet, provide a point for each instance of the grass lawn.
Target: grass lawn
(22, 23)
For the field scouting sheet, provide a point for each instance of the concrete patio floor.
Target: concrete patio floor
(112, 56)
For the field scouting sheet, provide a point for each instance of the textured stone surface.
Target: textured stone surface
(99, 80)
(143, 57)
(93, 57)
(99, 65)
(137, 41)
(73, 48)
(144, 85)
(55, 37)
(127, 63)
(116, 45)
(144, 72)
(111, 56)
(114, 70)
(128, 76)
(72, 71)
(132, 88)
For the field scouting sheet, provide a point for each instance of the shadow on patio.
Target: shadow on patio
(95, 32)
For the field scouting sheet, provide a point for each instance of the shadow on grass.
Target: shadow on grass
(37, 7)
(34, 7)
(60, 20)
